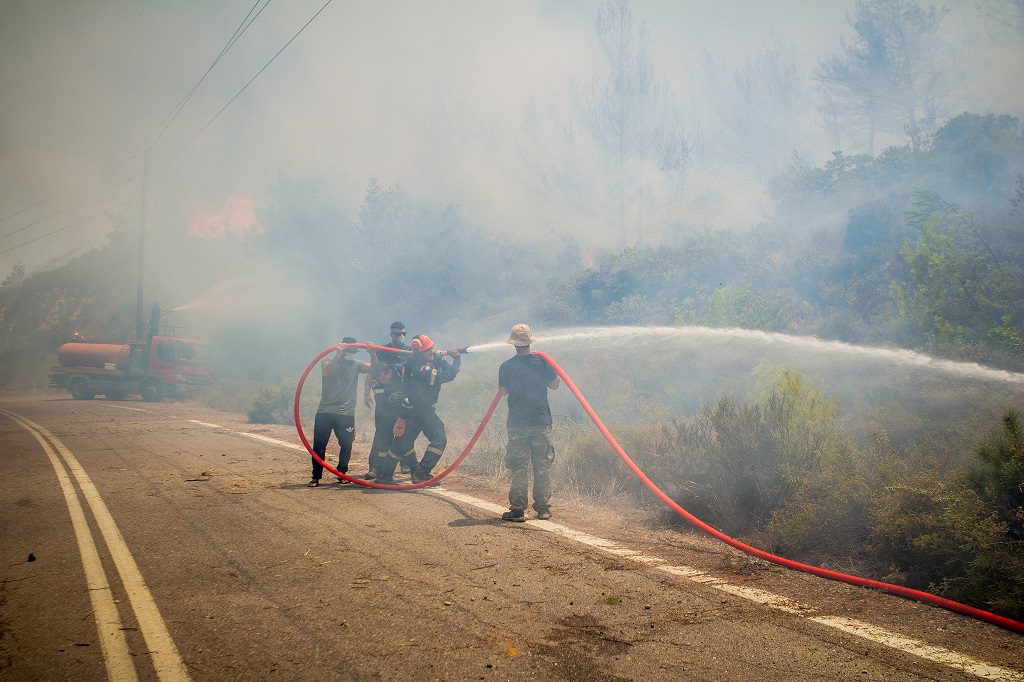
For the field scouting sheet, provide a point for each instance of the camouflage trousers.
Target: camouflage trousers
(526, 445)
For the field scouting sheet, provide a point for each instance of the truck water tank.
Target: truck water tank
(96, 355)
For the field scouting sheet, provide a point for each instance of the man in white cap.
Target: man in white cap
(525, 378)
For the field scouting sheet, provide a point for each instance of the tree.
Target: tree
(965, 283)
(15, 277)
(754, 110)
(632, 115)
(889, 76)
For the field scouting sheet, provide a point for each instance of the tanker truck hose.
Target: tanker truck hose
(370, 484)
(897, 590)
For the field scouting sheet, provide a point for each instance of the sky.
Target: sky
(430, 97)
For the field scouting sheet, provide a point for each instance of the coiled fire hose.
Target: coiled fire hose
(371, 484)
(900, 591)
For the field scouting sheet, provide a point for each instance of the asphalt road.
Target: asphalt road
(250, 575)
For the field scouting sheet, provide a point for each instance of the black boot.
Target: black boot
(514, 515)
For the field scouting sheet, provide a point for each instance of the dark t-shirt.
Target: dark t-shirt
(388, 358)
(526, 378)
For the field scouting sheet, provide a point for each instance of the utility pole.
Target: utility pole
(139, 324)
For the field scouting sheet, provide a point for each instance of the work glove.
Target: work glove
(453, 352)
(399, 428)
(396, 398)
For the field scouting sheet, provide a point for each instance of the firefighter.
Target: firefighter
(337, 409)
(422, 376)
(380, 387)
(526, 378)
(385, 380)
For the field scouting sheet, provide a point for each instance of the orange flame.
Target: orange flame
(237, 219)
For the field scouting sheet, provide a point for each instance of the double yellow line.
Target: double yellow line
(166, 661)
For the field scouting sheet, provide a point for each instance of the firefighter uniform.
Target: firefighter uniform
(386, 380)
(422, 377)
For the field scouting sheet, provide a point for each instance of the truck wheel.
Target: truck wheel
(79, 389)
(150, 391)
(116, 394)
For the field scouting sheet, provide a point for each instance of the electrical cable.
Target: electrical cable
(54, 195)
(46, 217)
(239, 30)
(65, 227)
(168, 119)
(897, 590)
(244, 87)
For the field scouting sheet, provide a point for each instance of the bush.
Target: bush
(829, 518)
(273, 405)
(962, 536)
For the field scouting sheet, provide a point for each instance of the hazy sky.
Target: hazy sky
(428, 96)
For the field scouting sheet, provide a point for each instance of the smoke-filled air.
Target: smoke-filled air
(778, 245)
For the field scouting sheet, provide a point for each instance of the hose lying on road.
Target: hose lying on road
(897, 590)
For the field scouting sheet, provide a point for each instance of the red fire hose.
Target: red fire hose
(897, 590)
(370, 484)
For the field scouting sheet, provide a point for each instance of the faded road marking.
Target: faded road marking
(266, 439)
(212, 426)
(873, 633)
(116, 656)
(167, 661)
(878, 635)
(953, 659)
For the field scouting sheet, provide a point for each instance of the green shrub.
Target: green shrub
(829, 517)
(963, 535)
(273, 405)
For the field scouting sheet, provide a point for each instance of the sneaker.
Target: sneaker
(370, 475)
(514, 515)
(543, 515)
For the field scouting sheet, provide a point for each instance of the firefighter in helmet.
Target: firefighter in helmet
(422, 376)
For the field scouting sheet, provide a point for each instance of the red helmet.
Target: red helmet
(421, 343)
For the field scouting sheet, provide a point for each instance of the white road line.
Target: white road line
(265, 439)
(771, 600)
(953, 659)
(113, 644)
(133, 409)
(166, 660)
(873, 633)
(212, 426)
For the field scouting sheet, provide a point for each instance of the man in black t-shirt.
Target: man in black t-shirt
(525, 378)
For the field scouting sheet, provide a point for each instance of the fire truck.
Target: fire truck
(166, 367)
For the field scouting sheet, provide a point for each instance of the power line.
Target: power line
(194, 137)
(238, 94)
(164, 124)
(48, 216)
(54, 195)
(65, 227)
(242, 28)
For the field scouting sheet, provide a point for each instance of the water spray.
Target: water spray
(907, 356)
